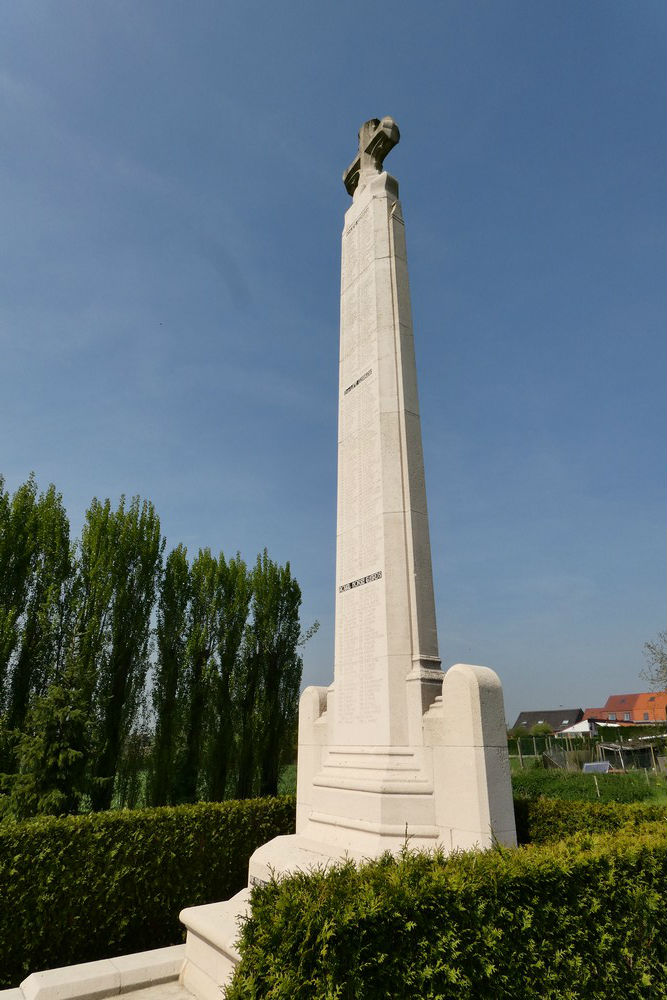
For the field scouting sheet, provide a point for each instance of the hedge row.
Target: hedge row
(539, 821)
(585, 919)
(86, 887)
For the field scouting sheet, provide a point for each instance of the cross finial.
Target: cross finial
(376, 139)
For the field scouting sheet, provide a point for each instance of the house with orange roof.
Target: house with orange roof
(646, 707)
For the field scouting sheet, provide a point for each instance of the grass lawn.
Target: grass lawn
(632, 786)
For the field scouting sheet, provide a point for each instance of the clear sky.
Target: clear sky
(171, 213)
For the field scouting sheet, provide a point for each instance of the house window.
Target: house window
(626, 716)
(645, 716)
(564, 722)
(612, 716)
(652, 698)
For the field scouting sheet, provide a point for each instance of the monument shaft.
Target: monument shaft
(385, 610)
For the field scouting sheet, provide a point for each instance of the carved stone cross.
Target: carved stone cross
(376, 139)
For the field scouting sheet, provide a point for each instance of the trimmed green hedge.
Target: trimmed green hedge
(86, 887)
(585, 918)
(539, 821)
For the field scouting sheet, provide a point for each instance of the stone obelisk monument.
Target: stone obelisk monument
(394, 747)
(386, 668)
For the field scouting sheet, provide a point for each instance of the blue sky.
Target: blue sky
(172, 206)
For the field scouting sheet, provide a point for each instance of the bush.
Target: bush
(586, 918)
(86, 887)
(541, 820)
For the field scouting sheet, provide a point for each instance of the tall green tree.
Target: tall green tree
(75, 642)
(35, 605)
(45, 621)
(246, 688)
(121, 556)
(276, 635)
(131, 789)
(52, 753)
(18, 546)
(200, 645)
(268, 678)
(169, 682)
(234, 585)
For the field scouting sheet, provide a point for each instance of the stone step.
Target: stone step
(210, 948)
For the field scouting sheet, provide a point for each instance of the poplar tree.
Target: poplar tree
(75, 642)
(169, 682)
(45, 619)
(234, 586)
(17, 554)
(246, 695)
(46, 715)
(276, 634)
(200, 643)
(268, 678)
(121, 556)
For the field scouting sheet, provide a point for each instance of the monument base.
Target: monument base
(453, 792)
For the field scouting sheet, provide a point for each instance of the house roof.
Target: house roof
(557, 718)
(653, 702)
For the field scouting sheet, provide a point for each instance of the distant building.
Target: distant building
(556, 718)
(582, 728)
(647, 707)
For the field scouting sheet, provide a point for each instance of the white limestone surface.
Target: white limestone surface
(211, 953)
(465, 729)
(385, 608)
(108, 977)
(170, 990)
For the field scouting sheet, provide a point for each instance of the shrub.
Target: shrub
(81, 888)
(586, 918)
(539, 821)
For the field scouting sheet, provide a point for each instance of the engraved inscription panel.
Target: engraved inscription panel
(360, 648)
